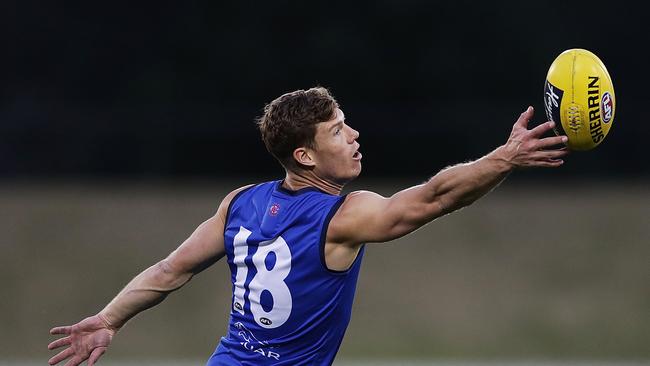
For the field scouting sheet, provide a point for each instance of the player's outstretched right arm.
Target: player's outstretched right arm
(89, 339)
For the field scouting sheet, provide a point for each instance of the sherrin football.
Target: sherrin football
(579, 98)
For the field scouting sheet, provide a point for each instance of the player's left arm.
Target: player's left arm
(200, 250)
(90, 338)
(367, 217)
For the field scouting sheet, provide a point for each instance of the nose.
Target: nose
(354, 134)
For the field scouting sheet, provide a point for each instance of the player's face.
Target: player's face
(336, 154)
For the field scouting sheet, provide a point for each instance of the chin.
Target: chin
(350, 177)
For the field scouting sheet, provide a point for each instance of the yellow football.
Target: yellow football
(579, 98)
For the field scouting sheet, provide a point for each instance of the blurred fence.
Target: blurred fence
(529, 272)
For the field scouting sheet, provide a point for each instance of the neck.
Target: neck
(295, 181)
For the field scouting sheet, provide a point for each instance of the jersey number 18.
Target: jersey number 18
(269, 280)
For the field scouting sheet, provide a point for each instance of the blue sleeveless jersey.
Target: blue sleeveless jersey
(287, 307)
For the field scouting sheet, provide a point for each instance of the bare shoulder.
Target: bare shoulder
(229, 197)
(354, 213)
(225, 203)
(359, 201)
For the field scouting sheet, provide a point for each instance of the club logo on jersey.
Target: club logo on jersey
(251, 343)
(607, 107)
(275, 208)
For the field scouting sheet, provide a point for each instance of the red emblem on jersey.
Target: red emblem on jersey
(275, 208)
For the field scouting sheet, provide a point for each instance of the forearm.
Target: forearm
(462, 184)
(144, 291)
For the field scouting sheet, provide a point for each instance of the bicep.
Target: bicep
(206, 244)
(368, 217)
(201, 249)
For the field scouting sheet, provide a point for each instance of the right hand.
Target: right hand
(86, 340)
(528, 148)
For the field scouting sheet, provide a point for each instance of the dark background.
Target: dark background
(170, 89)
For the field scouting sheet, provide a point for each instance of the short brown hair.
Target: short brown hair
(290, 122)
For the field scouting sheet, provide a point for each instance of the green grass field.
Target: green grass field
(531, 272)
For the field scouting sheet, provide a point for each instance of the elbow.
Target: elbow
(168, 277)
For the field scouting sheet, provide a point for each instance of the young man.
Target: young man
(295, 246)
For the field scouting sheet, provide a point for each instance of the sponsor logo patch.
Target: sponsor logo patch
(252, 344)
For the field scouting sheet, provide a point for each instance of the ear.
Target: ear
(304, 157)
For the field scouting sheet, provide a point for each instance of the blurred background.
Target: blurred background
(123, 125)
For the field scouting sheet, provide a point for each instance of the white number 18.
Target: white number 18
(265, 280)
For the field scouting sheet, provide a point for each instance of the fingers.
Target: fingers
(61, 356)
(551, 154)
(550, 163)
(540, 130)
(532, 149)
(61, 330)
(551, 141)
(74, 361)
(525, 117)
(95, 355)
(59, 343)
(548, 158)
